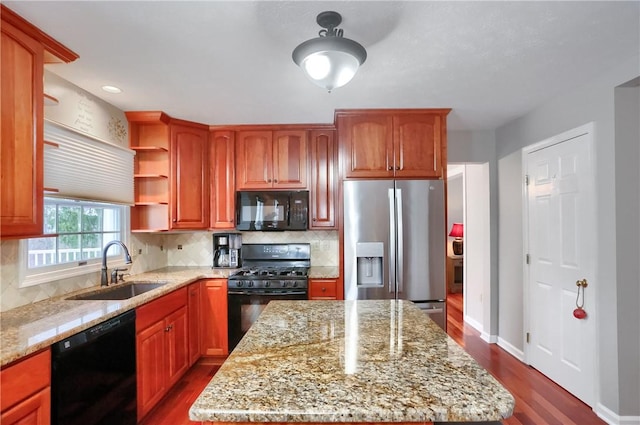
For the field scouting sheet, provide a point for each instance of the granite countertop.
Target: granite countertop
(30, 328)
(349, 361)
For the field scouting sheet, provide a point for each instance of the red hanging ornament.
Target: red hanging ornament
(579, 313)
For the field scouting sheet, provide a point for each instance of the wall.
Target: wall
(510, 252)
(627, 186)
(455, 198)
(593, 102)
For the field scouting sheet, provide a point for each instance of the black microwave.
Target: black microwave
(276, 210)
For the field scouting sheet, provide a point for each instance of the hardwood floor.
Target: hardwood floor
(539, 401)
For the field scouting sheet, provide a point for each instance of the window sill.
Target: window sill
(68, 272)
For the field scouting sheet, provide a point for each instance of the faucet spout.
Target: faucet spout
(104, 281)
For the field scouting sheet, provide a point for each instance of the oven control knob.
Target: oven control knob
(267, 284)
(239, 284)
(295, 284)
(284, 284)
(250, 284)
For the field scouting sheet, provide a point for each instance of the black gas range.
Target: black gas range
(270, 272)
(272, 267)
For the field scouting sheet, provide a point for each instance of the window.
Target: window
(82, 229)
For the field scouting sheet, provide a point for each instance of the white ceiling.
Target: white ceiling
(229, 62)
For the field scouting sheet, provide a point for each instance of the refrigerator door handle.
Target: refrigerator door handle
(392, 241)
(400, 242)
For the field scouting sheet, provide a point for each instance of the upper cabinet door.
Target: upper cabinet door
(366, 143)
(222, 179)
(418, 145)
(323, 190)
(254, 153)
(21, 127)
(189, 182)
(290, 159)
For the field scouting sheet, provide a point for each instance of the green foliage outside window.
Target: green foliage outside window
(83, 228)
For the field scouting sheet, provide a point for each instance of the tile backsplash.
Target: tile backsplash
(196, 249)
(149, 252)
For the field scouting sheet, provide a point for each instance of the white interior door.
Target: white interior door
(562, 249)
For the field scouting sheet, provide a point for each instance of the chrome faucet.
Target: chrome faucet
(104, 281)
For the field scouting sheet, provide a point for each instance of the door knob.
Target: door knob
(582, 283)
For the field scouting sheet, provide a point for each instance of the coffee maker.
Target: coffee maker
(226, 250)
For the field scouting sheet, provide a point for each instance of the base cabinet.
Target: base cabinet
(25, 391)
(323, 289)
(161, 347)
(213, 327)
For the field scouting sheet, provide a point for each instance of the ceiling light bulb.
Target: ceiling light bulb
(112, 89)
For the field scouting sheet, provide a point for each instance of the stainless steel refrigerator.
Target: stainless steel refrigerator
(395, 242)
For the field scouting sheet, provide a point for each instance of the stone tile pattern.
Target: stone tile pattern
(350, 361)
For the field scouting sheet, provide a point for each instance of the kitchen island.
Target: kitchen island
(349, 361)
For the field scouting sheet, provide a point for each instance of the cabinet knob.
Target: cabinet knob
(390, 168)
(268, 180)
(397, 168)
(175, 219)
(275, 180)
(324, 289)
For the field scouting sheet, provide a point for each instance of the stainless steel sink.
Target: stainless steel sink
(120, 292)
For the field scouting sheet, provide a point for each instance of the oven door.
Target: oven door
(244, 307)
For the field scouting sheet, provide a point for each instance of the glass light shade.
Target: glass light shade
(330, 69)
(330, 61)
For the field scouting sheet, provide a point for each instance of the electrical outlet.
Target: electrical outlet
(179, 246)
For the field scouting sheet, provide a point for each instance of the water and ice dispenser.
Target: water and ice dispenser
(370, 260)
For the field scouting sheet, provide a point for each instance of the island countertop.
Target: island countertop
(350, 361)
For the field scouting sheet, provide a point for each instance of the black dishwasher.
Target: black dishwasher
(93, 372)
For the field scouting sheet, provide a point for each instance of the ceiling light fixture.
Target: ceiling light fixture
(112, 89)
(329, 60)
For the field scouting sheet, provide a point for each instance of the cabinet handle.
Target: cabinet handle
(397, 168)
(175, 219)
(275, 180)
(268, 180)
(390, 168)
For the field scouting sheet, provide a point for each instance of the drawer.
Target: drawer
(158, 309)
(24, 378)
(323, 289)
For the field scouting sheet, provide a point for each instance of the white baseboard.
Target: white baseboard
(509, 348)
(612, 418)
(473, 323)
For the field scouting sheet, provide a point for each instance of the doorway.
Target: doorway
(468, 203)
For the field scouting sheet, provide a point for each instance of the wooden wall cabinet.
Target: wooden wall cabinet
(323, 190)
(323, 289)
(25, 49)
(214, 339)
(170, 173)
(189, 176)
(222, 179)
(162, 347)
(267, 159)
(25, 393)
(392, 143)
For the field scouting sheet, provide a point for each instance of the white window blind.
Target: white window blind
(85, 168)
